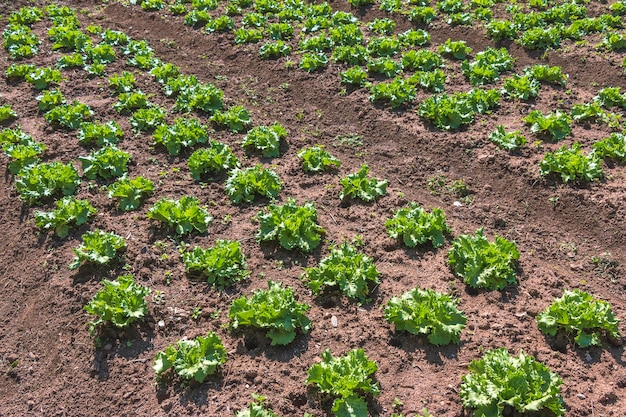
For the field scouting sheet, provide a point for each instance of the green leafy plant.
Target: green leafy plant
(275, 310)
(222, 265)
(129, 102)
(7, 113)
(124, 83)
(398, 92)
(215, 158)
(383, 46)
(347, 378)
(382, 26)
(385, 66)
(546, 73)
(611, 97)
(523, 87)
(256, 409)
(197, 96)
(244, 184)
(358, 185)
(273, 50)
(70, 116)
(317, 159)
(350, 54)
(487, 66)
(498, 381)
(248, 35)
(453, 111)
(120, 302)
(220, 24)
(19, 71)
(613, 147)
(70, 212)
(39, 181)
(100, 134)
(130, 192)
(541, 38)
(483, 264)
(346, 270)
(433, 81)
(73, 60)
(511, 141)
(427, 312)
(355, 76)
(185, 214)
(556, 124)
(414, 37)
(571, 164)
(422, 60)
(415, 226)
(456, 49)
(148, 119)
(106, 162)
(23, 153)
(97, 247)
(20, 41)
(293, 226)
(43, 78)
(422, 14)
(578, 312)
(49, 99)
(184, 133)
(193, 359)
(235, 118)
(265, 139)
(313, 61)
(26, 15)
(589, 112)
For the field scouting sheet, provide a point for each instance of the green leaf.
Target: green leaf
(345, 269)
(192, 359)
(291, 225)
(131, 192)
(222, 265)
(120, 302)
(266, 139)
(483, 264)
(97, 247)
(350, 407)
(579, 313)
(69, 212)
(498, 379)
(416, 226)
(358, 185)
(275, 310)
(185, 214)
(244, 184)
(429, 313)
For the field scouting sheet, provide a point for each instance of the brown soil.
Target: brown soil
(50, 365)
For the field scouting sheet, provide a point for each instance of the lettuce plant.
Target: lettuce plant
(572, 164)
(39, 181)
(43, 78)
(498, 381)
(456, 49)
(107, 162)
(275, 310)
(123, 83)
(130, 192)
(184, 215)
(317, 159)
(293, 226)
(613, 147)
(355, 75)
(212, 160)
(148, 119)
(193, 359)
(48, 99)
(389, 68)
(433, 81)
(415, 226)
(313, 61)
(484, 264)
(556, 125)
(222, 265)
(422, 60)
(266, 139)
(427, 312)
(70, 116)
(256, 409)
(69, 213)
(100, 134)
(511, 141)
(523, 87)
(235, 118)
(184, 133)
(131, 101)
(487, 66)
(23, 154)
(579, 313)
(120, 302)
(347, 378)
(546, 73)
(244, 184)
(97, 247)
(346, 270)
(359, 185)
